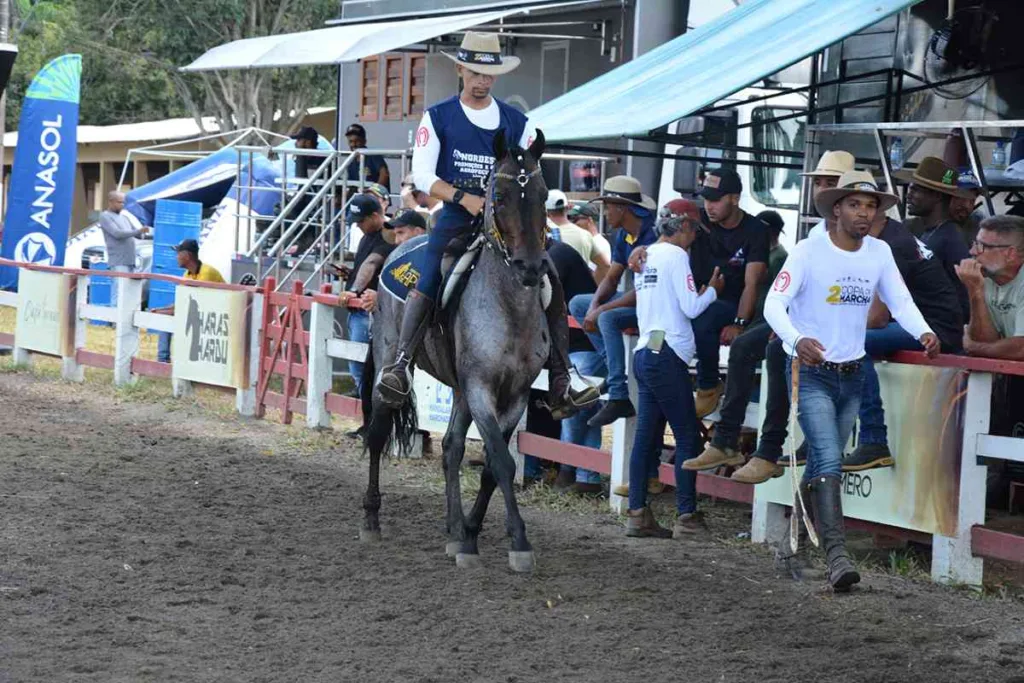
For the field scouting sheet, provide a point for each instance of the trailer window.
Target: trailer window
(777, 187)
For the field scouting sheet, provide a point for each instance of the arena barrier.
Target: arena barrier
(245, 339)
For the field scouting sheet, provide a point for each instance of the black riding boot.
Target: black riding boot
(798, 564)
(563, 400)
(396, 381)
(828, 514)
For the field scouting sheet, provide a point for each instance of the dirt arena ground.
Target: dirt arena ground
(146, 542)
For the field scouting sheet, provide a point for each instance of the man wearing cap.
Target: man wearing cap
(406, 225)
(188, 258)
(745, 356)
(585, 215)
(564, 230)
(607, 313)
(453, 155)
(369, 258)
(933, 185)
(375, 169)
(306, 138)
(818, 305)
(825, 175)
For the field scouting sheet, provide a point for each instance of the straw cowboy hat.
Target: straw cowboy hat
(832, 164)
(935, 174)
(481, 52)
(623, 189)
(853, 182)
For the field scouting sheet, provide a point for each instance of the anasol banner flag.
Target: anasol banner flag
(43, 176)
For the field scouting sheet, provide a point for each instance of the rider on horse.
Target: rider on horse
(453, 157)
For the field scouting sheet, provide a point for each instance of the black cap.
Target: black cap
(773, 220)
(307, 133)
(720, 182)
(408, 218)
(356, 129)
(188, 245)
(362, 206)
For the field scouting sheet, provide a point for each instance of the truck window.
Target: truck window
(776, 187)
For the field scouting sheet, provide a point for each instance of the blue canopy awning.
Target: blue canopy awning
(699, 68)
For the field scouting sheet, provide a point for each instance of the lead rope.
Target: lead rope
(800, 513)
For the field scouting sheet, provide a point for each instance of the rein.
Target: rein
(495, 241)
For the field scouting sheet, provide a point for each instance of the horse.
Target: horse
(489, 348)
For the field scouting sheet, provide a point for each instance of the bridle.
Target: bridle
(495, 241)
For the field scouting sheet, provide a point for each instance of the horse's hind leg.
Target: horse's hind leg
(376, 440)
(454, 447)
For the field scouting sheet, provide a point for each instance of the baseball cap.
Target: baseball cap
(720, 182)
(188, 245)
(584, 209)
(379, 191)
(356, 129)
(307, 133)
(556, 200)
(362, 206)
(408, 218)
(680, 207)
(773, 220)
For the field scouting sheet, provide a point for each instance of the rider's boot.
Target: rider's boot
(395, 384)
(563, 400)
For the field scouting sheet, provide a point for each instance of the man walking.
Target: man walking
(819, 306)
(464, 127)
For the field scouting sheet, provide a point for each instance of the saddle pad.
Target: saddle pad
(401, 270)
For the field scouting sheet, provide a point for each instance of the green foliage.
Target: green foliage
(131, 50)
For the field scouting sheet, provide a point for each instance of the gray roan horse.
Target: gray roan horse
(490, 349)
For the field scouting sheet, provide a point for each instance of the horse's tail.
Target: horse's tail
(392, 430)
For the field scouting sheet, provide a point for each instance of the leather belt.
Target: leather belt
(847, 368)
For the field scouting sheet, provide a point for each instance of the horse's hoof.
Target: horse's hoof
(522, 562)
(452, 548)
(467, 561)
(369, 535)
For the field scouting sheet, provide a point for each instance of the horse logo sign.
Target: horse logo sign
(209, 342)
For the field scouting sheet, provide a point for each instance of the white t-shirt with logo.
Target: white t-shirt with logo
(667, 299)
(824, 292)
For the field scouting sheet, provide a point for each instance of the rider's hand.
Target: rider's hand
(810, 351)
(637, 259)
(590, 322)
(473, 204)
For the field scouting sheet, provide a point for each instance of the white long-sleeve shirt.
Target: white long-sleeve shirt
(824, 292)
(667, 299)
(428, 147)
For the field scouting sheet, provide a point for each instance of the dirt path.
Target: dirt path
(139, 544)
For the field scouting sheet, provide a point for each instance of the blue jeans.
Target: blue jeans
(358, 331)
(880, 342)
(163, 347)
(826, 409)
(665, 395)
(608, 340)
(451, 221)
(575, 429)
(707, 328)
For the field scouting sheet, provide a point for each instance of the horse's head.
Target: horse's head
(517, 196)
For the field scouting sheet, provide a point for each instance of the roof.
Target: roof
(146, 131)
(699, 68)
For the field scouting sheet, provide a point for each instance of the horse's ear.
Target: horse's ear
(500, 145)
(537, 146)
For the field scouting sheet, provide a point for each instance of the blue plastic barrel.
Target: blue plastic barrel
(173, 222)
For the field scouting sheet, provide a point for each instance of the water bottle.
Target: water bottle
(999, 156)
(896, 154)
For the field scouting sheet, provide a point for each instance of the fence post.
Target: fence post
(71, 371)
(126, 335)
(952, 560)
(245, 399)
(321, 366)
(623, 432)
(768, 520)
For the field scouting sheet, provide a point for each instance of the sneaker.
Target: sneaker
(867, 456)
(707, 400)
(689, 524)
(714, 457)
(756, 471)
(587, 490)
(654, 487)
(642, 524)
(801, 457)
(611, 411)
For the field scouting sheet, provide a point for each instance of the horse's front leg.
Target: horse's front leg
(377, 435)
(454, 448)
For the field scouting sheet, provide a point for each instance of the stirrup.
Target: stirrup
(394, 396)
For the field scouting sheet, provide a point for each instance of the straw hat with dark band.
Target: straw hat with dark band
(622, 189)
(853, 182)
(935, 174)
(481, 52)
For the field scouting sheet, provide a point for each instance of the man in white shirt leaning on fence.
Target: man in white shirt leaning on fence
(818, 306)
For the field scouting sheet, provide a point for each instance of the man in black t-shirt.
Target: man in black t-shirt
(935, 296)
(375, 169)
(737, 244)
(370, 255)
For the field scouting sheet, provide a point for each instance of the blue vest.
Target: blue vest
(467, 151)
